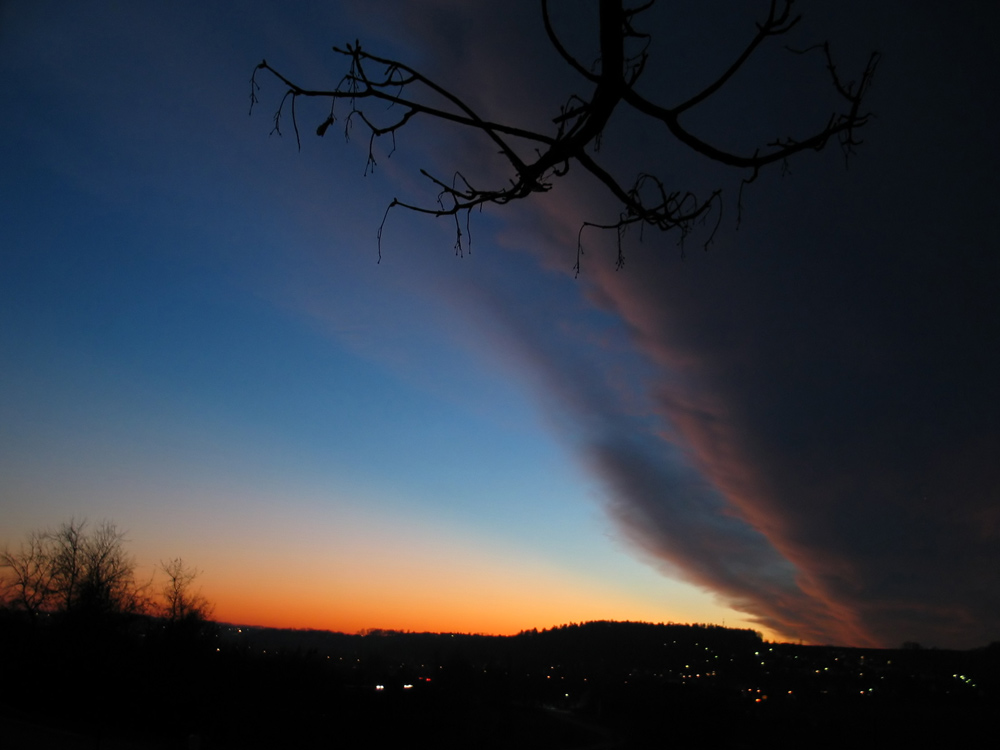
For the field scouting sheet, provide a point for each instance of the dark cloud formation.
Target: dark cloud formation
(848, 348)
(819, 429)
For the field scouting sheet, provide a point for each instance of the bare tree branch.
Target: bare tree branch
(578, 126)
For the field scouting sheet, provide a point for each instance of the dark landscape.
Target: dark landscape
(141, 683)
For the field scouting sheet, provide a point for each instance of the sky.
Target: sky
(794, 430)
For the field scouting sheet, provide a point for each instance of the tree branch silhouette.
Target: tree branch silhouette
(181, 603)
(578, 127)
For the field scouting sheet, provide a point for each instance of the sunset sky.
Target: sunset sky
(796, 431)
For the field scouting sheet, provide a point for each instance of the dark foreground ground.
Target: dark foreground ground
(137, 684)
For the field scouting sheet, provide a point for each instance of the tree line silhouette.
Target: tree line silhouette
(94, 657)
(90, 652)
(87, 574)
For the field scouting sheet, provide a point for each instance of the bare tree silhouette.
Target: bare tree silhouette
(28, 582)
(94, 573)
(536, 159)
(75, 571)
(180, 602)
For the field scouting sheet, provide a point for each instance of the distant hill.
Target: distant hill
(594, 684)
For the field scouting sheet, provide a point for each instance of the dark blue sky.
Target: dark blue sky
(800, 424)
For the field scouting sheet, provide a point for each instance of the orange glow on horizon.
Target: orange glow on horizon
(349, 570)
(441, 604)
